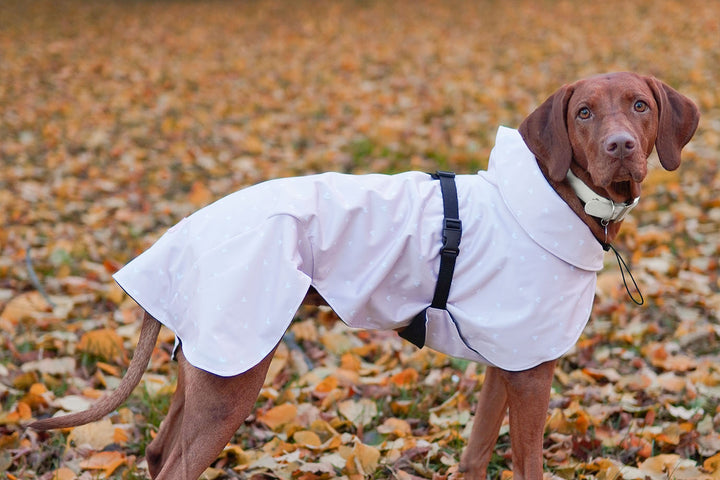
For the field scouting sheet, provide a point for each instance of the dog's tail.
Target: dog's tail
(148, 336)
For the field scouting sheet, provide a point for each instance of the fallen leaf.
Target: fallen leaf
(108, 462)
(51, 366)
(363, 460)
(27, 306)
(63, 473)
(395, 426)
(307, 438)
(278, 416)
(199, 194)
(360, 412)
(96, 435)
(104, 343)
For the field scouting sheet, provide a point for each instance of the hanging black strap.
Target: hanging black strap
(451, 233)
(623, 267)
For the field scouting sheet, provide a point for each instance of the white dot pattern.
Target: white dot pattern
(228, 279)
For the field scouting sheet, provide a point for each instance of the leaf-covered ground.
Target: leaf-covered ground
(119, 118)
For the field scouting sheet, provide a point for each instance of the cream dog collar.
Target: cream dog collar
(595, 205)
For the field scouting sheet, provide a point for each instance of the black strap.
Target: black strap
(452, 233)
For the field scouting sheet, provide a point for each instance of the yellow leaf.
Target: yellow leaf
(338, 343)
(307, 438)
(103, 343)
(305, 330)
(278, 416)
(28, 305)
(115, 294)
(211, 473)
(660, 464)
(277, 364)
(363, 460)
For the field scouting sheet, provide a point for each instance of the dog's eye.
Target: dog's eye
(584, 113)
(640, 106)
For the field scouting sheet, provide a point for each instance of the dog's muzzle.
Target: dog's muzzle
(600, 207)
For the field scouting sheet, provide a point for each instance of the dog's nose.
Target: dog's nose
(620, 145)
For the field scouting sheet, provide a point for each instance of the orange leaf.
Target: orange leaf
(712, 465)
(642, 447)
(24, 411)
(9, 441)
(350, 361)
(109, 369)
(63, 473)
(395, 426)
(407, 377)
(38, 389)
(120, 436)
(278, 416)
(199, 195)
(328, 384)
(35, 396)
(108, 462)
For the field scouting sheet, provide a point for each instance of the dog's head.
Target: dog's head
(604, 128)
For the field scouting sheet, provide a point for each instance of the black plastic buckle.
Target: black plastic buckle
(452, 233)
(442, 173)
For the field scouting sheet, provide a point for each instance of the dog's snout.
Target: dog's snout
(620, 145)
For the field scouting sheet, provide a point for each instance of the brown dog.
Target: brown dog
(591, 140)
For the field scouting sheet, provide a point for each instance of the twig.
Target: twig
(34, 278)
(289, 339)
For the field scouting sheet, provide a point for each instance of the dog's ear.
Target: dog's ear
(545, 133)
(678, 119)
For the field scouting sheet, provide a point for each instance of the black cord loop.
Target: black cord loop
(623, 265)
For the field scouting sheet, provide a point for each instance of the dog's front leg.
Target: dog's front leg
(528, 398)
(489, 415)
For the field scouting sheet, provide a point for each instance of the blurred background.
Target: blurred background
(118, 118)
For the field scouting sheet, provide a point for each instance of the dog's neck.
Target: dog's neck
(604, 232)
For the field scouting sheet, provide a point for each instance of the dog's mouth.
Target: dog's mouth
(625, 191)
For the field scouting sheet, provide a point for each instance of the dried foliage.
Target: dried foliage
(119, 118)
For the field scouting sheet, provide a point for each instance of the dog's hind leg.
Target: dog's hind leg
(489, 415)
(164, 443)
(205, 413)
